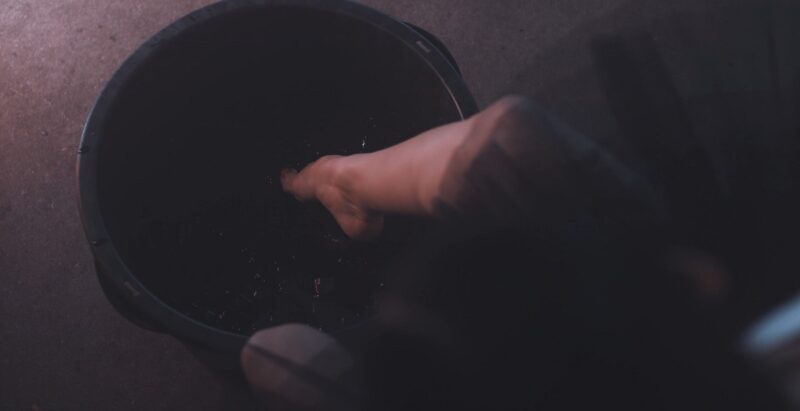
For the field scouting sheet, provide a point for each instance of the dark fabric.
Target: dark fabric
(545, 281)
(533, 325)
(533, 169)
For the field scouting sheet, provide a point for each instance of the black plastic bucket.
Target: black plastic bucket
(179, 164)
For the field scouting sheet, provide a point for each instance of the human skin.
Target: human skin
(405, 178)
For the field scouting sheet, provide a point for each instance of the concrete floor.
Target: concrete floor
(62, 346)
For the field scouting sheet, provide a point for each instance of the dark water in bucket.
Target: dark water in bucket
(193, 147)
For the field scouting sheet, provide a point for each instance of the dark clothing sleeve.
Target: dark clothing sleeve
(530, 168)
(501, 310)
(541, 290)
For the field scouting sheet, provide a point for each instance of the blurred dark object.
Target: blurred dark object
(191, 232)
(509, 319)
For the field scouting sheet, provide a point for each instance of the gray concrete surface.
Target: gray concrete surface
(62, 346)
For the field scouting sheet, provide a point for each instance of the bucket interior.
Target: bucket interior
(194, 141)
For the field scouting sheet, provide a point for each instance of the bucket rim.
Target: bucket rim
(110, 264)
